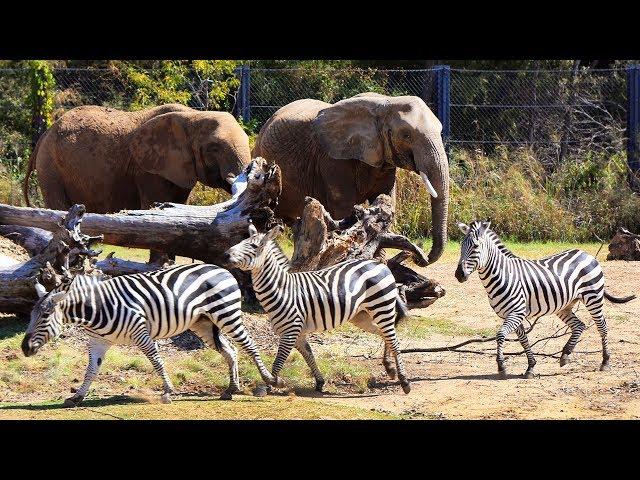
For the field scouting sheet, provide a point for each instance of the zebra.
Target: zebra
(363, 292)
(137, 309)
(520, 289)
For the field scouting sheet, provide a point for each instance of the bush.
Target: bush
(524, 202)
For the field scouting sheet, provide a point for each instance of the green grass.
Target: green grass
(196, 408)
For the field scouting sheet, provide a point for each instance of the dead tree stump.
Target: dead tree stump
(320, 241)
(624, 246)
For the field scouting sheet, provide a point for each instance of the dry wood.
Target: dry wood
(320, 241)
(624, 246)
(202, 233)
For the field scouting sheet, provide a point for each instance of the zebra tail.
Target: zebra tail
(401, 309)
(613, 299)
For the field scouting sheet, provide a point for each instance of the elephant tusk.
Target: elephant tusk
(425, 179)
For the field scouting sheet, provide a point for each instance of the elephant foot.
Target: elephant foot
(73, 401)
(165, 397)
(319, 385)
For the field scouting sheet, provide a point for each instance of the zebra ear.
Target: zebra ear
(486, 224)
(273, 233)
(40, 290)
(58, 297)
(252, 230)
(463, 228)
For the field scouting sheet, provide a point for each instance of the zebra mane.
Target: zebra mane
(281, 257)
(495, 239)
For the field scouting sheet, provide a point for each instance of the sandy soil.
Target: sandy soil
(465, 385)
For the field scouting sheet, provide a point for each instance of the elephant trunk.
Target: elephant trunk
(433, 166)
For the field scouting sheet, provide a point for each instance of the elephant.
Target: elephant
(347, 152)
(111, 160)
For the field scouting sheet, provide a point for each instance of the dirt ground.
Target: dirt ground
(465, 385)
(445, 385)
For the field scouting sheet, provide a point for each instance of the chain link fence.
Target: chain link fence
(555, 112)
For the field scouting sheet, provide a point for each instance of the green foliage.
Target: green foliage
(585, 196)
(206, 84)
(42, 91)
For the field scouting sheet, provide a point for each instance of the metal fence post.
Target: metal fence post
(245, 89)
(443, 92)
(633, 120)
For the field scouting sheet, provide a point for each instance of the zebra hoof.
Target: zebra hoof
(564, 359)
(605, 367)
(72, 401)
(227, 395)
(319, 385)
(279, 382)
(406, 386)
(165, 398)
(260, 391)
(391, 371)
(502, 374)
(529, 374)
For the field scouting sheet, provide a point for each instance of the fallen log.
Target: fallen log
(68, 253)
(624, 246)
(202, 233)
(320, 241)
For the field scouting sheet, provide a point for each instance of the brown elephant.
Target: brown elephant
(346, 153)
(111, 160)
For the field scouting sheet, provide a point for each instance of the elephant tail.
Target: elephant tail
(30, 167)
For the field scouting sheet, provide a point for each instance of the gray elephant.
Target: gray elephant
(348, 152)
(111, 160)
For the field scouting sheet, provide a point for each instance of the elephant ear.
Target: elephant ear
(348, 130)
(160, 146)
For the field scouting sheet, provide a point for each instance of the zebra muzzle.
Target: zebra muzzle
(460, 275)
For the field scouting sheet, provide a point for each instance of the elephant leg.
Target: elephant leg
(51, 184)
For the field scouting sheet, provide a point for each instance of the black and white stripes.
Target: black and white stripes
(138, 309)
(361, 291)
(521, 289)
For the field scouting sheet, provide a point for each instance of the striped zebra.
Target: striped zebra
(140, 308)
(521, 289)
(363, 292)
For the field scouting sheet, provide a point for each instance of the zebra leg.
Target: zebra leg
(524, 341)
(387, 363)
(577, 327)
(388, 332)
(594, 305)
(364, 321)
(150, 349)
(210, 335)
(240, 335)
(287, 342)
(302, 345)
(97, 350)
(510, 324)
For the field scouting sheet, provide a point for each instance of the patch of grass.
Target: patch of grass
(199, 408)
(422, 327)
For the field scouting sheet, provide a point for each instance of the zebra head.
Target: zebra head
(249, 254)
(46, 320)
(471, 251)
